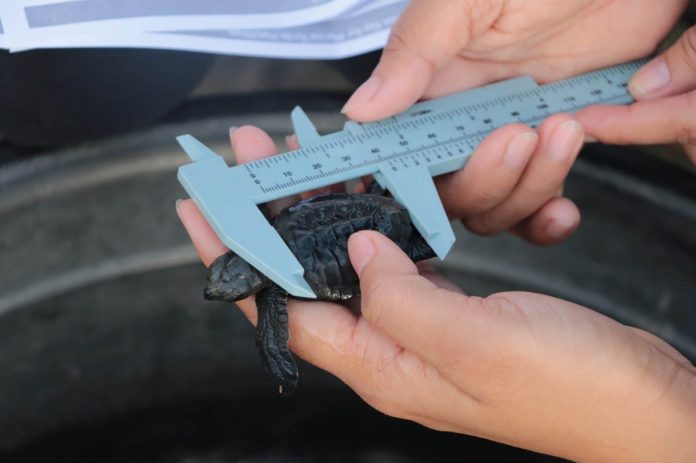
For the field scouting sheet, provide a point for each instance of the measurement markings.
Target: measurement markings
(438, 149)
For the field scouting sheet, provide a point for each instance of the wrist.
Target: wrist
(652, 421)
(675, 418)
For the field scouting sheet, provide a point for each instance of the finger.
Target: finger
(205, 240)
(364, 184)
(292, 142)
(667, 120)
(561, 138)
(251, 144)
(491, 173)
(425, 37)
(435, 324)
(553, 223)
(671, 73)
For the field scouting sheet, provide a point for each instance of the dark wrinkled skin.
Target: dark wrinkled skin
(316, 230)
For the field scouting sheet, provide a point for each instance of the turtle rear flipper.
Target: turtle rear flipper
(272, 337)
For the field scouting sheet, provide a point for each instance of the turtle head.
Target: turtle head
(231, 278)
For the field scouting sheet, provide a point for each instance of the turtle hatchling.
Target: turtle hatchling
(316, 230)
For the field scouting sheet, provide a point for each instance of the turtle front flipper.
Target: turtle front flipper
(272, 337)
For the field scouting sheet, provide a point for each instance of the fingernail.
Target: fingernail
(233, 129)
(362, 250)
(520, 148)
(590, 139)
(560, 227)
(177, 204)
(651, 79)
(363, 94)
(566, 139)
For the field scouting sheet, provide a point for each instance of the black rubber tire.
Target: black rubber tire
(57, 97)
(108, 351)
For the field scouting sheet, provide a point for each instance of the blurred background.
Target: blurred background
(108, 351)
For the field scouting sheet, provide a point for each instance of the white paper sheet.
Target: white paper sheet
(347, 32)
(45, 17)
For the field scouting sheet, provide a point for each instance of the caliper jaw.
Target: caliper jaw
(414, 189)
(223, 197)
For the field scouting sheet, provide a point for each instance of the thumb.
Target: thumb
(427, 35)
(671, 73)
(409, 309)
(364, 248)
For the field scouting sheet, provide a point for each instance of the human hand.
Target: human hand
(666, 92)
(514, 181)
(441, 46)
(518, 368)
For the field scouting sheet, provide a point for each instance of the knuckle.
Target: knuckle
(396, 42)
(686, 132)
(483, 199)
(556, 119)
(543, 185)
(484, 225)
(533, 193)
(514, 322)
(487, 197)
(507, 306)
(688, 48)
(481, 13)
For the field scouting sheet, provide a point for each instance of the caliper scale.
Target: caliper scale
(403, 153)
